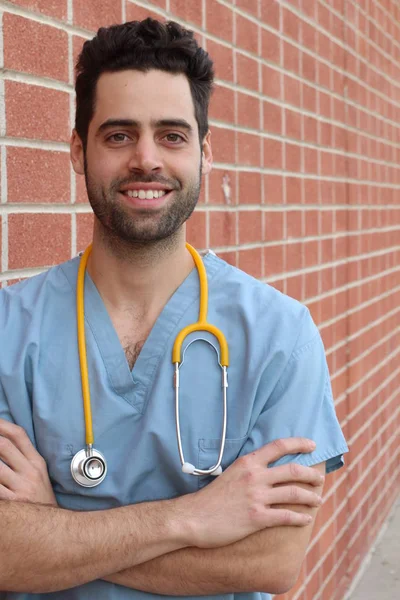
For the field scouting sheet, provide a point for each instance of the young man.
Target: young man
(142, 141)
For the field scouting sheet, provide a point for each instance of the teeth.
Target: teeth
(146, 194)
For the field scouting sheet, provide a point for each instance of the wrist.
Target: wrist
(181, 523)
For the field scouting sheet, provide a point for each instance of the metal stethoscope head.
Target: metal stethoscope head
(88, 466)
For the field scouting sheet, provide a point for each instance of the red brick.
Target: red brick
(271, 82)
(249, 149)
(273, 260)
(273, 226)
(248, 111)
(250, 226)
(222, 105)
(250, 6)
(247, 72)
(222, 228)
(293, 157)
(294, 256)
(223, 60)
(310, 160)
(291, 57)
(294, 287)
(35, 48)
(309, 98)
(270, 46)
(250, 261)
(196, 230)
(188, 10)
(293, 190)
(273, 189)
(216, 179)
(292, 90)
(54, 8)
(273, 157)
(292, 124)
(138, 13)
(311, 255)
(37, 176)
(246, 34)
(270, 13)
(219, 20)
(223, 145)
(308, 36)
(249, 188)
(291, 25)
(38, 240)
(309, 67)
(272, 118)
(37, 113)
(84, 230)
(310, 129)
(293, 224)
(94, 15)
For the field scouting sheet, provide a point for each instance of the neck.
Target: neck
(138, 277)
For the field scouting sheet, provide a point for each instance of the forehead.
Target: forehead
(143, 97)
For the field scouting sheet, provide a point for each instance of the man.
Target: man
(142, 141)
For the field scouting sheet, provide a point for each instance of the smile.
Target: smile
(146, 194)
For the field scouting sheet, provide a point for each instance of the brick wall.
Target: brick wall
(304, 195)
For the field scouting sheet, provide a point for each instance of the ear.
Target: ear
(76, 153)
(207, 157)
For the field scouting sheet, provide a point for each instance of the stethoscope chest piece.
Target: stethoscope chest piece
(88, 467)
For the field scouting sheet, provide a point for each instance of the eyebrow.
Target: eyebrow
(182, 123)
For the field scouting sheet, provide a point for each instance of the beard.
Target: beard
(141, 226)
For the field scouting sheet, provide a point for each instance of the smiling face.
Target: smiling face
(143, 160)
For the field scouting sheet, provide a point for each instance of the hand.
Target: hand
(241, 500)
(23, 472)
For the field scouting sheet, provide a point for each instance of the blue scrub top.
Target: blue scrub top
(278, 387)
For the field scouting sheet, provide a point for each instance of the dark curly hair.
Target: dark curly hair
(142, 45)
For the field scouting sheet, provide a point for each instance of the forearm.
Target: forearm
(266, 561)
(197, 572)
(63, 549)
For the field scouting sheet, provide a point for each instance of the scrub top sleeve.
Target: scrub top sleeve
(301, 404)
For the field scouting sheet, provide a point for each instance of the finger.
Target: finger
(12, 456)
(5, 493)
(8, 478)
(18, 436)
(281, 447)
(278, 517)
(292, 494)
(296, 473)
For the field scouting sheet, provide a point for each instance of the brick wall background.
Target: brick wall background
(304, 195)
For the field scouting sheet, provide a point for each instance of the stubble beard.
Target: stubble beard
(140, 228)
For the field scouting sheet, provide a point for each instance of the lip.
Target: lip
(146, 202)
(145, 186)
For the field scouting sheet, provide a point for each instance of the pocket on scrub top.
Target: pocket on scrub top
(209, 452)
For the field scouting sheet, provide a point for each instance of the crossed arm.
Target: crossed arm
(267, 556)
(266, 561)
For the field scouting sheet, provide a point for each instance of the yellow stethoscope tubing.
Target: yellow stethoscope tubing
(80, 312)
(201, 324)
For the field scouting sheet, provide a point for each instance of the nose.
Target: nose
(145, 157)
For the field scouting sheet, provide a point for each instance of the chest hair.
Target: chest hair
(132, 352)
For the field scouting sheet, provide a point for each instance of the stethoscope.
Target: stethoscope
(88, 466)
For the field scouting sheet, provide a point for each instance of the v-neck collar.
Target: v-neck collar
(134, 385)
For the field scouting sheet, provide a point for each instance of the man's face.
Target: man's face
(143, 158)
